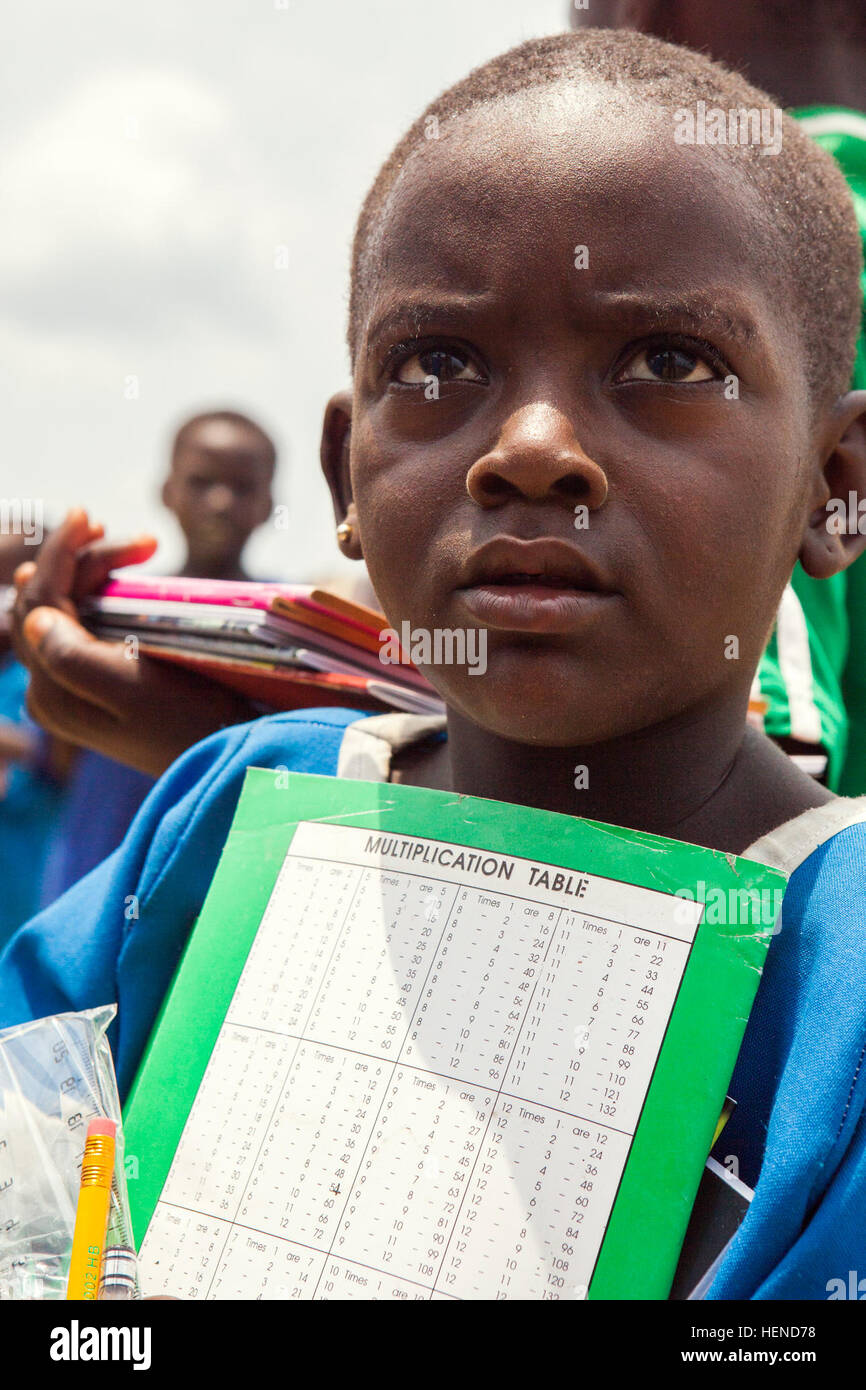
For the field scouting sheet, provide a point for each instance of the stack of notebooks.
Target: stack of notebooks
(288, 646)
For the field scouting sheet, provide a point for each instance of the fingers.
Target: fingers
(99, 559)
(63, 652)
(24, 573)
(50, 580)
(74, 562)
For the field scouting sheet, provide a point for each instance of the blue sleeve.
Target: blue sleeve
(798, 1135)
(117, 935)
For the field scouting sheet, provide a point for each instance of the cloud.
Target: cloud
(136, 206)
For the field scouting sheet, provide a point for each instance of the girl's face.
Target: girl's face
(580, 424)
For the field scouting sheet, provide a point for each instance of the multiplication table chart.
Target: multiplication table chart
(427, 1082)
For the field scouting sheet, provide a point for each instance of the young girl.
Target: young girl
(598, 412)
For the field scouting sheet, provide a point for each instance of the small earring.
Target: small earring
(345, 532)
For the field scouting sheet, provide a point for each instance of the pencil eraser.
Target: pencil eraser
(102, 1125)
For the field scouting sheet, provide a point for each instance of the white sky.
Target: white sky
(154, 155)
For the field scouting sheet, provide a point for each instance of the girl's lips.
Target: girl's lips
(534, 607)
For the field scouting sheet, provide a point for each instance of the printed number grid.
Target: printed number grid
(421, 1090)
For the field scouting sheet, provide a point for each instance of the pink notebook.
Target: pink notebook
(246, 594)
(310, 615)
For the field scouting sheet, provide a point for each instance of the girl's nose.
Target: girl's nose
(537, 456)
(220, 499)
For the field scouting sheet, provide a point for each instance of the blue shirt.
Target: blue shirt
(800, 1081)
(799, 1129)
(28, 807)
(101, 800)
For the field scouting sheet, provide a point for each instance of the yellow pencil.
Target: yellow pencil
(91, 1217)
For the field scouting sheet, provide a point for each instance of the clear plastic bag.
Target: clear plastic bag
(56, 1074)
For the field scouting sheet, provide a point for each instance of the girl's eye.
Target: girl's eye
(445, 364)
(667, 364)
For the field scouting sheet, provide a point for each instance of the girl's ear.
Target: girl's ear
(334, 455)
(836, 532)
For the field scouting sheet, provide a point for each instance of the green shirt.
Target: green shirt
(813, 673)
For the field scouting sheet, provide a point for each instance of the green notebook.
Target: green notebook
(428, 1046)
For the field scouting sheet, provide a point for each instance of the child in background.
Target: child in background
(219, 489)
(811, 55)
(581, 288)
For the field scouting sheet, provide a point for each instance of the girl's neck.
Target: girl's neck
(198, 569)
(708, 780)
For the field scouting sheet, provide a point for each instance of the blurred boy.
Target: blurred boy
(219, 489)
